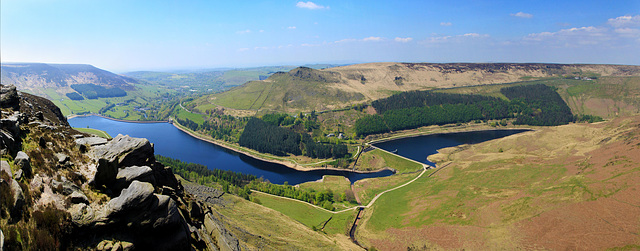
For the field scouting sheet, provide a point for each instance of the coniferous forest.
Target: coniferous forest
(269, 138)
(530, 104)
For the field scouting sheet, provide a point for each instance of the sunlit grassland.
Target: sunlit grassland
(367, 189)
(455, 200)
(278, 229)
(95, 132)
(307, 214)
(182, 114)
(377, 159)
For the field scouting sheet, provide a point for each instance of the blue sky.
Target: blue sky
(160, 35)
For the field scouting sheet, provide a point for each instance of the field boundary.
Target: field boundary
(424, 169)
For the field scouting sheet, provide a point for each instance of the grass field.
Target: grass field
(95, 132)
(263, 228)
(182, 114)
(367, 189)
(566, 179)
(145, 96)
(308, 215)
(378, 159)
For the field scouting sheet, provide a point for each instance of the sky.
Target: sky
(132, 35)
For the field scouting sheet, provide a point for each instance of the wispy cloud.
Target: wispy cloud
(475, 35)
(310, 5)
(346, 40)
(521, 15)
(446, 24)
(573, 37)
(403, 40)
(291, 27)
(243, 31)
(372, 39)
(625, 21)
(456, 38)
(242, 49)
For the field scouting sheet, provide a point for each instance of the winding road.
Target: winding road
(424, 169)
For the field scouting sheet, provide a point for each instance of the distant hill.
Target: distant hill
(299, 89)
(305, 89)
(208, 80)
(36, 77)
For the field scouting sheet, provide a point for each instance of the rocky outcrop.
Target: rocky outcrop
(136, 196)
(22, 161)
(122, 151)
(18, 199)
(8, 96)
(111, 190)
(129, 174)
(91, 141)
(10, 132)
(5, 167)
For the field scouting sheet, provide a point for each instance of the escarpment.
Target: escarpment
(61, 188)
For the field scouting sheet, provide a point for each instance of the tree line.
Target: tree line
(323, 199)
(544, 106)
(231, 182)
(269, 138)
(530, 104)
(424, 98)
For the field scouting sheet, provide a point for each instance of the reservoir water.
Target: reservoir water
(171, 142)
(418, 148)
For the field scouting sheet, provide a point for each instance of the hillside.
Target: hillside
(35, 77)
(567, 187)
(299, 89)
(345, 85)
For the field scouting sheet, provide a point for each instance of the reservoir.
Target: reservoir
(419, 147)
(170, 142)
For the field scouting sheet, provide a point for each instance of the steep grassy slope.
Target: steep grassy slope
(299, 89)
(262, 228)
(566, 187)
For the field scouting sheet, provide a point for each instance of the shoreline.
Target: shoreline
(114, 119)
(376, 141)
(288, 164)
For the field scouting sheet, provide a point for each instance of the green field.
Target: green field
(95, 132)
(367, 189)
(145, 96)
(180, 113)
(456, 199)
(377, 159)
(307, 214)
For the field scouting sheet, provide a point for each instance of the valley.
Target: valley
(486, 195)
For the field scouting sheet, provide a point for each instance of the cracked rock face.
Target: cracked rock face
(120, 152)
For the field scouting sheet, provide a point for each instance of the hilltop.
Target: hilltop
(35, 77)
(305, 89)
